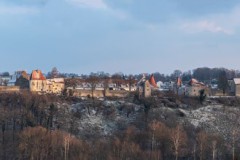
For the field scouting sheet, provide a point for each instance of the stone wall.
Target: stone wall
(98, 93)
(117, 93)
(9, 88)
(237, 90)
(194, 91)
(218, 92)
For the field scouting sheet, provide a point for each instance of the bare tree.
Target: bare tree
(202, 140)
(178, 138)
(54, 73)
(105, 82)
(223, 81)
(131, 81)
(153, 127)
(159, 139)
(38, 144)
(215, 144)
(176, 74)
(194, 151)
(72, 82)
(66, 146)
(235, 135)
(214, 149)
(117, 79)
(93, 80)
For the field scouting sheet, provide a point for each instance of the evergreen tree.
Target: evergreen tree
(223, 81)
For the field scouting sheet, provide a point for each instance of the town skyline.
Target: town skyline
(2, 71)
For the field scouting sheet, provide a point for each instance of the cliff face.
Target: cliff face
(111, 116)
(85, 120)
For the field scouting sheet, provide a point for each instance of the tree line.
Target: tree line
(203, 74)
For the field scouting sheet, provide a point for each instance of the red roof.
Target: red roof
(37, 75)
(152, 81)
(179, 81)
(193, 82)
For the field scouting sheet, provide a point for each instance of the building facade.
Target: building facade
(55, 85)
(236, 87)
(38, 83)
(145, 87)
(194, 87)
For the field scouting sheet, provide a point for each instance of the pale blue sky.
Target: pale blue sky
(131, 36)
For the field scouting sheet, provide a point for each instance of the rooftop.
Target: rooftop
(37, 75)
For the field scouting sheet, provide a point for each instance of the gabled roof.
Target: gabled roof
(37, 75)
(194, 82)
(179, 81)
(152, 81)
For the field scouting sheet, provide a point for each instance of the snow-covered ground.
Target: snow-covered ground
(113, 115)
(102, 121)
(215, 118)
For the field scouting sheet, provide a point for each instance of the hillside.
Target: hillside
(137, 128)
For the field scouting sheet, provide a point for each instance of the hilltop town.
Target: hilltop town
(102, 116)
(99, 85)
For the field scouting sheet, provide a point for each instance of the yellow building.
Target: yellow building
(38, 83)
(55, 85)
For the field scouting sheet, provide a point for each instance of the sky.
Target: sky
(129, 36)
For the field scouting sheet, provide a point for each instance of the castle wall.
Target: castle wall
(9, 88)
(98, 93)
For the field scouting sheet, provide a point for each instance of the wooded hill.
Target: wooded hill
(164, 127)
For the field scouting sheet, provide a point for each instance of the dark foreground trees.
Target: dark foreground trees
(29, 131)
(38, 143)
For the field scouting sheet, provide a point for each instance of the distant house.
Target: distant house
(112, 86)
(144, 89)
(236, 86)
(127, 88)
(12, 81)
(159, 84)
(194, 87)
(38, 83)
(21, 79)
(55, 85)
(231, 89)
(4, 80)
(167, 86)
(145, 86)
(177, 86)
(8, 83)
